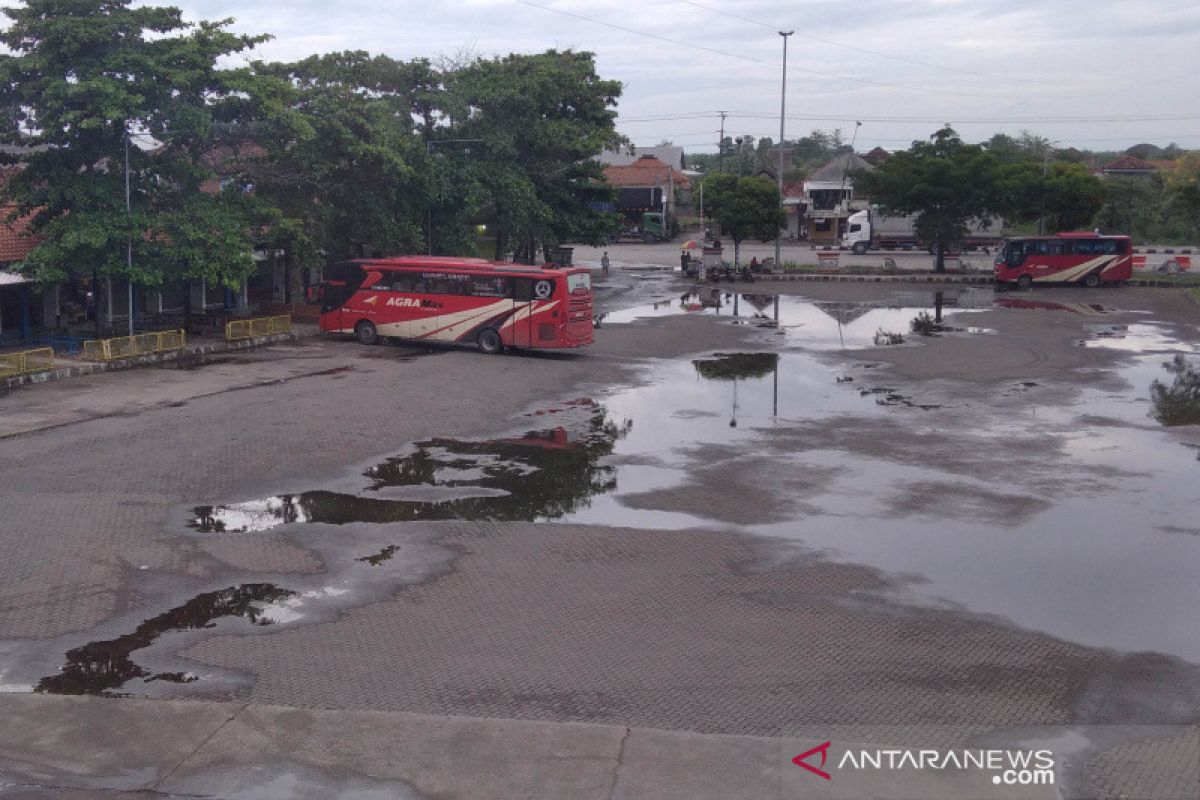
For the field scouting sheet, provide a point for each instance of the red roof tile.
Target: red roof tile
(14, 244)
(1130, 164)
(647, 171)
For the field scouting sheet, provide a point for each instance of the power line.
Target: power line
(751, 59)
(856, 48)
(1072, 120)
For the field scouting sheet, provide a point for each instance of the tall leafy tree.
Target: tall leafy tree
(1062, 196)
(347, 168)
(84, 78)
(1183, 186)
(540, 120)
(745, 208)
(944, 181)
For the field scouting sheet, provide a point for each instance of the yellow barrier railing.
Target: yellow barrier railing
(259, 326)
(26, 361)
(130, 346)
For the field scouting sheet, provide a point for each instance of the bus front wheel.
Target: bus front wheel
(366, 333)
(489, 341)
(1024, 282)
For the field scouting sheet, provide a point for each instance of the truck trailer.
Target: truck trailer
(874, 230)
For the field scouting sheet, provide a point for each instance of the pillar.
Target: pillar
(26, 332)
(197, 290)
(108, 300)
(51, 306)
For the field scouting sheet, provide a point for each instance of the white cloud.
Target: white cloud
(979, 59)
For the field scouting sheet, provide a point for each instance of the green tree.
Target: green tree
(541, 120)
(85, 77)
(745, 208)
(1061, 196)
(945, 182)
(348, 170)
(1183, 187)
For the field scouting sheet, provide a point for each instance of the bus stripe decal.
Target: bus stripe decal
(466, 317)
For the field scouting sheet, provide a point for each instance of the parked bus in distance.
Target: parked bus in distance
(435, 299)
(1086, 258)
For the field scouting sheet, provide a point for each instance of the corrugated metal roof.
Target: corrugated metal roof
(12, 278)
(836, 168)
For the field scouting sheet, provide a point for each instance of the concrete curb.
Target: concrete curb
(818, 277)
(91, 368)
(57, 744)
(980, 280)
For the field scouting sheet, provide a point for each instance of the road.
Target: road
(815, 536)
(667, 254)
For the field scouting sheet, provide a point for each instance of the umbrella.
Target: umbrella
(690, 244)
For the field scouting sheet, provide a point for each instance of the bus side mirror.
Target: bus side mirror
(315, 293)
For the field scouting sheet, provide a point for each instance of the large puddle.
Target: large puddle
(817, 324)
(1062, 510)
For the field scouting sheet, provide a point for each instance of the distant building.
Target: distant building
(877, 156)
(645, 184)
(828, 198)
(668, 154)
(1134, 167)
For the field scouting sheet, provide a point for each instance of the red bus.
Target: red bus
(428, 298)
(1087, 258)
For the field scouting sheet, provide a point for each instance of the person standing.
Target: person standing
(604, 263)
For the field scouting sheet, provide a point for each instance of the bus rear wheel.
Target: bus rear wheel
(1024, 282)
(1092, 281)
(366, 332)
(489, 341)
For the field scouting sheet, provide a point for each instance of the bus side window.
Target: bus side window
(1081, 247)
(1109, 246)
(485, 286)
(404, 282)
(455, 285)
(522, 288)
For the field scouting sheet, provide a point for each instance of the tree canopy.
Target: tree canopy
(87, 78)
(944, 181)
(333, 156)
(745, 208)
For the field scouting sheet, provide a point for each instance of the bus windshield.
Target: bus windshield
(578, 281)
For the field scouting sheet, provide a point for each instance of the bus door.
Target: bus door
(530, 294)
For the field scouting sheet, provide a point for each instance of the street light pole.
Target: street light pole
(128, 242)
(782, 108)
(1045, 162)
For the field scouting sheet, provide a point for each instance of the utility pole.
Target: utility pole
(1045, 163)
(721, 144)
(128, 242)
(782, 107)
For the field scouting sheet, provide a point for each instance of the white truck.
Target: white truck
(874, 230)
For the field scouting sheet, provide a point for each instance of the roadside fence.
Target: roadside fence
(259, 326)
(129, 346)
(26, 361)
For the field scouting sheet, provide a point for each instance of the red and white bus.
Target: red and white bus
(1087, 258)
(429, 298)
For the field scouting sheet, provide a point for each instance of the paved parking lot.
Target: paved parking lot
(710, 559)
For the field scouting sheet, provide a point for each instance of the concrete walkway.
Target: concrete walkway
(55, 746)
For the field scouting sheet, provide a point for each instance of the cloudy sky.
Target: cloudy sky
(1099, 74)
